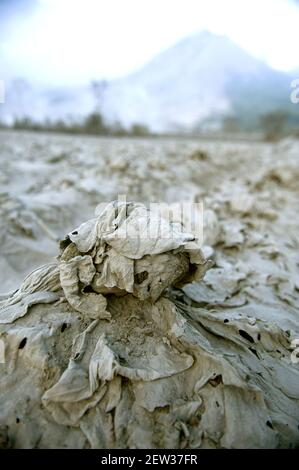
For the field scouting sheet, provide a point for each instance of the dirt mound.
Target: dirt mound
(105, 347)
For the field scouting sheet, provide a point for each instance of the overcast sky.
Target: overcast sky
(74, 41)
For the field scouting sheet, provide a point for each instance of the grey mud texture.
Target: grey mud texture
(137, 342)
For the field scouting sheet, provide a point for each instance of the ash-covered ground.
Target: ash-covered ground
(50, 184)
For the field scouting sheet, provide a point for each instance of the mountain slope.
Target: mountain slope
(199, 80)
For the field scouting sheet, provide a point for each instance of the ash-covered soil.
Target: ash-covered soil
(248, 302)
(49, 184)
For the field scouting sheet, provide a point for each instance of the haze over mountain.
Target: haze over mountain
(194, 84)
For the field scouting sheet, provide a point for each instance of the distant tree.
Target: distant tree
(273, 124)
(139, 130)
(58, 126)
(117, 129)
(26, 123)
(94, 124)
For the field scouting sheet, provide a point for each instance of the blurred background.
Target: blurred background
(140, 67)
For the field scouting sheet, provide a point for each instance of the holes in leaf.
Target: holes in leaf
(23, 343)
(269, 424)
(216, 381)
(140, 277)
(88, 289)
(246, 335)
(254, 352)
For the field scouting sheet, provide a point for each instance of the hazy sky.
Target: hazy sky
(73, 41)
